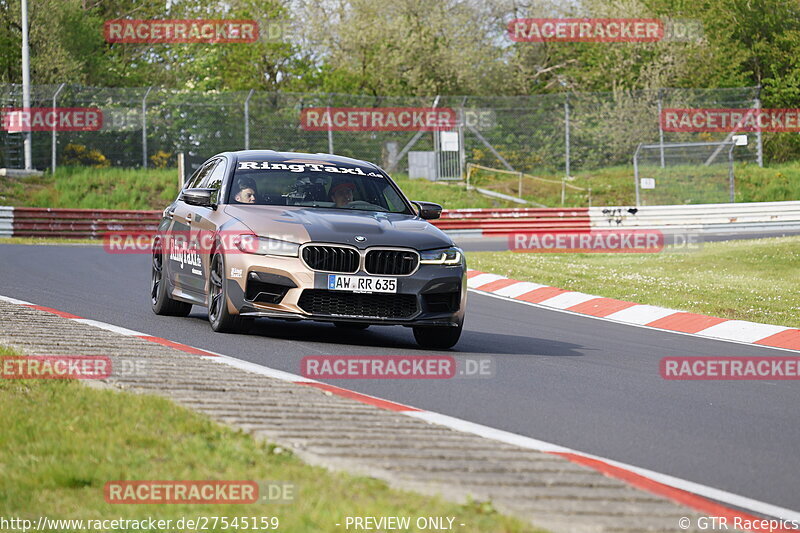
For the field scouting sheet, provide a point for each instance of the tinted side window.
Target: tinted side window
(197, 178)
(215, 179)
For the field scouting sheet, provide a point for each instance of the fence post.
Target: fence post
(636, 172)
(660, 126)
(247, 120)
(462, 152)
(181, 170)
(27, 141)
(566, 135)
(730, 174)
(144, 127)
(53, 139)
(330, 124)
(759, 145)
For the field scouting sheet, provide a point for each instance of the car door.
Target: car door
(184, 265)
(205, 219)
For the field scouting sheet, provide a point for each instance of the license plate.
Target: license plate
(361, 283)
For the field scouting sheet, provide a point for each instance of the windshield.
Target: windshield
(314, 184)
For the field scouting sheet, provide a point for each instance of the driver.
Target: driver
(342, 192)
(246, 191)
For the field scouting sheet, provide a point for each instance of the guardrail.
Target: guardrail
(73, 223)
(702, 216)
(93, 223)
(499, 221)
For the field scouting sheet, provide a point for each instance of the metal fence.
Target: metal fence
(561, 133)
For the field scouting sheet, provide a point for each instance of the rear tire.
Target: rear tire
(437, 337)
(160, 301)
(221, 320)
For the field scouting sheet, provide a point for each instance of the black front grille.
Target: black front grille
(391, 262)
(331, 258)
(334, 303)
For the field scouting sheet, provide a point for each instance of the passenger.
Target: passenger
(342, 193)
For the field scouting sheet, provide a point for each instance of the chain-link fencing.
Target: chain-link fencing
(553, 134)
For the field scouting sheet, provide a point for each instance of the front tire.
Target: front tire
(437, 337)
(160, 301)
(221, 320)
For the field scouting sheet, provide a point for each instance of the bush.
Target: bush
(79, 155)
(161, 159)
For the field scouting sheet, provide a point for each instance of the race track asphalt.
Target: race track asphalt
(587, 384)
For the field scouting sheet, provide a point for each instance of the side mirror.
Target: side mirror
(429, 210)
(199, 197)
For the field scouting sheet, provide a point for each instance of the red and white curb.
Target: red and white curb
(708, 500)
(634, 314)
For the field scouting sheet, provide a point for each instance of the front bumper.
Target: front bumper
(274, 287)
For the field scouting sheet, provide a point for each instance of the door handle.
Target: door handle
(188, 219)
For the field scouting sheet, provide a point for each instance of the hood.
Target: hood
(303, 224)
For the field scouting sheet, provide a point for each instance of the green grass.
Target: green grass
(452, 195)
(755, 280)
(62, 441)
(114, 188)
(92, 188)
(689, 184)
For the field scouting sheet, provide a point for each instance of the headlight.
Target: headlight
(252, 244)
(444, 256)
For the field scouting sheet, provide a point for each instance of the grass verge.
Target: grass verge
(688, 184)
(115, 188)
(93, 188)
(753, 280)
(62, 441)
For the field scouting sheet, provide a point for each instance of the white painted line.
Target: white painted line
(14, 301)
(521, 440)
(592, 317)
(109, 327)
(482, 279)
(735, 500)
(539, 445)
(741, 330)
(641, 314)
(568, 299)
(259, 369)
(487, 432)
(512, 291)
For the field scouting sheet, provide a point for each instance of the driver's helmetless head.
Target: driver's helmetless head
(246, 191)
(246, 196)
